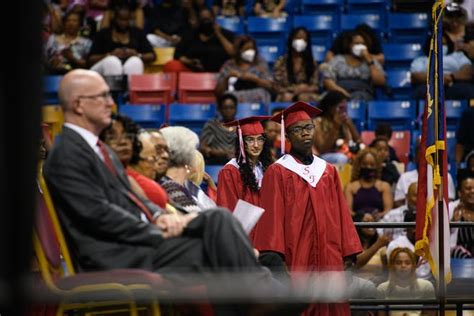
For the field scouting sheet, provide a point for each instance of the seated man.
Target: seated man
(107, 226)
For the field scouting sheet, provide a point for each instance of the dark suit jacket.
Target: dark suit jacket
(101, 223)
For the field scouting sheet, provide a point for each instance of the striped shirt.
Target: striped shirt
(217, 137)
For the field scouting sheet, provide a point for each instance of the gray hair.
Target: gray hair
(182, 143)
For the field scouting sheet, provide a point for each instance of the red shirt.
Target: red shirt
(153, 190)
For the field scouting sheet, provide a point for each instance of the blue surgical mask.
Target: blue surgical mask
(445, 50)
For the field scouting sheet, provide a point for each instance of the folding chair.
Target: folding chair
(197, 87)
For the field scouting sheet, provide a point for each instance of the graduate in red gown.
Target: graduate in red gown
(241, 177)
(306, 218)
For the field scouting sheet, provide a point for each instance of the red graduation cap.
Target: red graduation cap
(248, 126)
(299, 111)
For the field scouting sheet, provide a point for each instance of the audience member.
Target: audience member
(335, 132)
(204, 198)
(454, 24)
(60, 6)
(306, 219)
(384, 130)
(468, 46)
(246, 75)
(465, 136)
(51, 20)
(241, 178)
(217, 141)
(205, 49)
(373, 44)
(169, 23)
(355, 71)
(390, 172)
(162, 153)
(397, 215)
(192, 9)
(457, 72)
(88, 25)
(272, 137)
(120, 49)
(370, 263)
(463, 211)
(136, 13)
(367, 193)
(68, 50)
(402, 281)
(296, 73)
(270, 8)
(229, 8)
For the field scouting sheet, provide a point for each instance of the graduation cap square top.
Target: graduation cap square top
(250, 125)
(299, 111)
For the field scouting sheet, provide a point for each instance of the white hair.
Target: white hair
(182, 143)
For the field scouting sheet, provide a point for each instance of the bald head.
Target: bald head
(412, 194)
(76, 83)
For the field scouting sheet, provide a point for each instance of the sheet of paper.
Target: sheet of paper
(247, 214)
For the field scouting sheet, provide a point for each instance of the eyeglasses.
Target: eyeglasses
(298, 130)
(150, 159)
(250, 141)
(161, 148)
(103, 95)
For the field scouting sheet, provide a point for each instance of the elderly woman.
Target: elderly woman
(356, 72)
(246, 75)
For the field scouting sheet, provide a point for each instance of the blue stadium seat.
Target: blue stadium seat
(268, 31)
(400, 114)
(408, 27)
(234, 24)
(250, 109)
(50, 89)
(193, 116)
(270, 54)
(213, 171)
(375, 21)
(319, 52)
(451, 145)
(398, 86)
(379, 7)
(400, 56)
(146, 115)
(454, 110)
(357, 112)
(324, 7)
(462, 268)
(321, 27)
(277, 106)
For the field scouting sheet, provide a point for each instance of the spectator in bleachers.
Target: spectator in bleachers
(229, 8)
(51, 23)
(137, 18)
(373, 44)
(196, 176)
(463, 211)
(454, 24)
(334, 126)
(390, 172)
(270, 8)
(355, 71)
(193, 9)
(120, 49)
(246, 75)
(468, 47)
(241, 177)
(272, 136)
(88, 24)
(162, 153)
(367, 193)
(60, 6)
(457, 72)
(370, 263)
(296, 73)
(402, 281)
(409, 177)
(217, 141)
(169, 23)
(68, 50)
(205, 49)
(384, 130)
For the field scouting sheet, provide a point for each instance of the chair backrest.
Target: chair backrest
(152, 88)
(321, 27)
(367, 6)
(357, 111)
(277, 106)
(250, 109)
(401, 55)
(400, 141)
(146, 115)
(325, 7)
(193, 116)
(454, 110)
(268, 31)
(50, 89)
(270, 53)
(319, 52)
(399, 82)
(54, 117)
(197, 87)
(407, 27)
(401, 114)
(234, 24)
(350, 21)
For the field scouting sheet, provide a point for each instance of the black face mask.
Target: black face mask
(206, 27)
(367, 173)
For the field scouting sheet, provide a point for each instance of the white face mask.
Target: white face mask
(248, 55)
(357, 49)
(445, 50)
(299, 45)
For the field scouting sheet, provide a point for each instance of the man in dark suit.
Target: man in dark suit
(106, 225)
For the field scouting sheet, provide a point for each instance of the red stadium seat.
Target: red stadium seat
(367, 137)
(400, 141)
(152, 88)
(197, 87)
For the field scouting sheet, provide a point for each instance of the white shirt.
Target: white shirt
(395, 215)
(90, 138)
(410, 177)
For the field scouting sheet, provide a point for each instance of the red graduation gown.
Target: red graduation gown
(310, 226)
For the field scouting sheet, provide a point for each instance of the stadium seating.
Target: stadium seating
(400, 141)
(408, 27)
(197, 87)
(357, 112)
(270, 54)
(454, 110)
(375, 21)
(213, 171)
(451, 145)
(277, 105)
(400, 114)
(324, 7)
(268, 31)
(398, 86)
(321, 27)
(319, 52)
(250, 109)
(400, 56)
(152, 88)
(163, 55)
(193, 116)
(378, 7)
(50, 89)
(146, 115)
(234, 24)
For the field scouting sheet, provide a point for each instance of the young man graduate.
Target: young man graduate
(306, 218)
